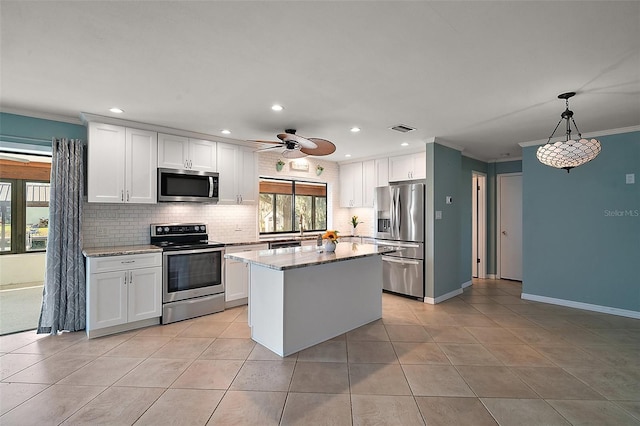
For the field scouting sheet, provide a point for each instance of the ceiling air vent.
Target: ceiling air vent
(402, 128)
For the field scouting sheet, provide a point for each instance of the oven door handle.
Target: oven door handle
(397, 244)
(194, 251)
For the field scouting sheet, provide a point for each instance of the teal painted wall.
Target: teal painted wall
(447, 164)
(23, 130)
(581, 230)
(468, 166)
(493, 170)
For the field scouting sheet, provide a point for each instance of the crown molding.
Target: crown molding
(588, 135)
(93, 118)
(42, 115)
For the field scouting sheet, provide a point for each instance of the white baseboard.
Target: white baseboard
(467, 284)
(581, 305)
(432, 301)
(492, 276)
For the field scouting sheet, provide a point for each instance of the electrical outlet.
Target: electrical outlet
(631, 178)
(438, 214)
(102, 232)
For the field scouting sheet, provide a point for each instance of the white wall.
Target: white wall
(22, 268)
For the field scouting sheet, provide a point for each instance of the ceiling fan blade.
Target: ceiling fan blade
(323, 147)
(290, 137)
(260, 141)
(271, 148)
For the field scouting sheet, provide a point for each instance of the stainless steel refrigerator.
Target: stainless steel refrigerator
(400, 223)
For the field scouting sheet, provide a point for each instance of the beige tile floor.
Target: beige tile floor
(483, 358)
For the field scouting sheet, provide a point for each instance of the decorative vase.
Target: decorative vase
(353, 231)
(329, 246)
(279, 166)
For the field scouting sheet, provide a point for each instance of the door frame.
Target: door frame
(479, 223)
(498, 219)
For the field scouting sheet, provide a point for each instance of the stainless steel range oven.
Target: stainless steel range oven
(192, 271)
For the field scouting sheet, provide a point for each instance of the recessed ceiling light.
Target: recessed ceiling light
(355, 129)
(225, 131)
(277, 107)
(347, 155)
(404, 144)
(116, 110)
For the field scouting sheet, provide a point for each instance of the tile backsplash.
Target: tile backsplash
(106, 225)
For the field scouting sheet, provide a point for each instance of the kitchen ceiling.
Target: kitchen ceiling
(483, 76)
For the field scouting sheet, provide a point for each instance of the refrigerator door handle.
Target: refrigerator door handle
(398, 244)
(401, 261)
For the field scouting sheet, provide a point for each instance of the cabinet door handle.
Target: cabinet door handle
(122, 195)
(128, 195)
(128, 261)
(126, 277)
(130, 277)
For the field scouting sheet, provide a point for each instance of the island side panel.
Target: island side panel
(267, 308)
(324, 301)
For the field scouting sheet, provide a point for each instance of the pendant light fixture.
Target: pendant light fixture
(568, 153)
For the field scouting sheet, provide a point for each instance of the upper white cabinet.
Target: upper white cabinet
(122, 165)
(238, 175)
(408, 167)
(382, 171)
(357, 183)
(178, 152)
(351, 185)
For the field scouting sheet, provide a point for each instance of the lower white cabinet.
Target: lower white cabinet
(123, 293)
(237, 276)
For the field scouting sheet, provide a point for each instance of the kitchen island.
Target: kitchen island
(299, 297)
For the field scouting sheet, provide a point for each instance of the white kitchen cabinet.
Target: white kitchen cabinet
(382, 171)
(122, 165)
(238, 175)
(408, 167)
(123, 293)
(357, 183)
(368, 182)
(177, 152)
(237, 276)
(351, 185)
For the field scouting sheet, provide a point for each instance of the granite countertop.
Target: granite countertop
(119, 250)
(300, 257)
(279, 238)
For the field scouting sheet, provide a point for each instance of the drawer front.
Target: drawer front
(119, 263)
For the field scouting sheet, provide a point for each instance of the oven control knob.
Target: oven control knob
(196, 228)
(166, 229)
(159, 229)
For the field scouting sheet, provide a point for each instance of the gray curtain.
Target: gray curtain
(63, 299)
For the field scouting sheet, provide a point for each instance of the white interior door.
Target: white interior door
(510, 226)
(478, 226)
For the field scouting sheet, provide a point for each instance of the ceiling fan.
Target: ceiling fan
(296, 146)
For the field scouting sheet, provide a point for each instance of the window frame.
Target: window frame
(294, 223)
(18, 204)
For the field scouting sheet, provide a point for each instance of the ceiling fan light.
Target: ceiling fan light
(293, 153)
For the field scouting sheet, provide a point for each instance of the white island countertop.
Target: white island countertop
(300, 257)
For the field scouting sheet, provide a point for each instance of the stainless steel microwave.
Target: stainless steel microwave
(187, 185)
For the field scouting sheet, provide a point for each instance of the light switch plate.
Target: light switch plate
(631, 178)
(438, 214)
